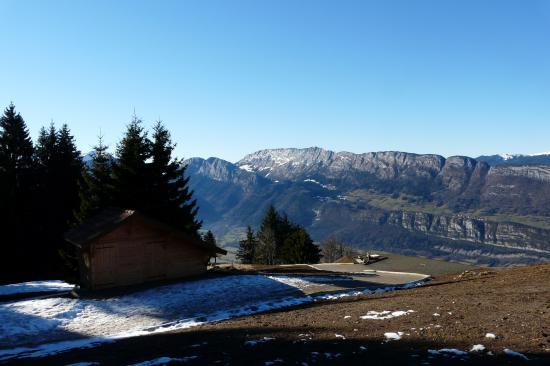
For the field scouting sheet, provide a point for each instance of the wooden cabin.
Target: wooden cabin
(123, 247)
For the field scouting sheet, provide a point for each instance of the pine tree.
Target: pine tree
(171, 198)
(282, 241)
(47, 200)
(209, 239)
(45, 147)
(59, 173)
(247, 247)
(68, 177)
(96, 190)
(17, 187)
(210, 242)
(130, 177)
(277, 228)
(299, 248)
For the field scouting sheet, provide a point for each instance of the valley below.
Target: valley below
(455, 208)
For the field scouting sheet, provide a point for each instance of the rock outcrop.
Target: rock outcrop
(314, 186)
(458, 227)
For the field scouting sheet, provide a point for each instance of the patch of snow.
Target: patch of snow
(340, 336)
(506, 156)
(490, 335)
(436, 314)
(156, 310)
(297, 282)
(317, 213)
(247, 167)
(258, 341)
(347, 316)
(303, 282)
(199, 345)
(164, 360)
(379, 315)
(315, 182)
(393, 336)
(341, 295)
(448, 351)
(511, 353)
(477, 348)
(35, 286)
(275, 361)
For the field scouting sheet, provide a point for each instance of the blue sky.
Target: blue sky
(232, 77)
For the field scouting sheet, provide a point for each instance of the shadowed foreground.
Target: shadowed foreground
(453, 312)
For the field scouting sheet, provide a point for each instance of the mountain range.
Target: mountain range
(516, 159)
(492, 210)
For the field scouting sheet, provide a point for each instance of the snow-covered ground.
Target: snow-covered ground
(381, 315)
(66, 323)
(448, 351)
(393, 336)
(35, 287)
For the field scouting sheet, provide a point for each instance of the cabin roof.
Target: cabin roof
(110, 218)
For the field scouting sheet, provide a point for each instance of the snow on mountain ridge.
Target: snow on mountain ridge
(507, 156)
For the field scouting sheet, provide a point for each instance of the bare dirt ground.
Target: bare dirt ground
(450, 312)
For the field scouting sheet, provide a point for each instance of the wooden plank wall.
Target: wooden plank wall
(139, 252)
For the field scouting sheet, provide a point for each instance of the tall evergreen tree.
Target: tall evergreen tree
(209, 239)
(47, 204)
(45, 147)
(59, 172)
(276, 227)
(68, 177)
(171, 198)
(247, 247)
(299, 248)
(282, 241)
(130, 177)
(16, 190)
(96, 190)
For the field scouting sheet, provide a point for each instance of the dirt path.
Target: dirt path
(452, 312)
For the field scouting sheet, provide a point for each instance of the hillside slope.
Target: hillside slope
(440, 322)
(457, 207)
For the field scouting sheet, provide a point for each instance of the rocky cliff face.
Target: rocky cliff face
(458, 227)
(313, 187)
(539, 173)
(223, 171)
(453, 173)
(293, 164)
